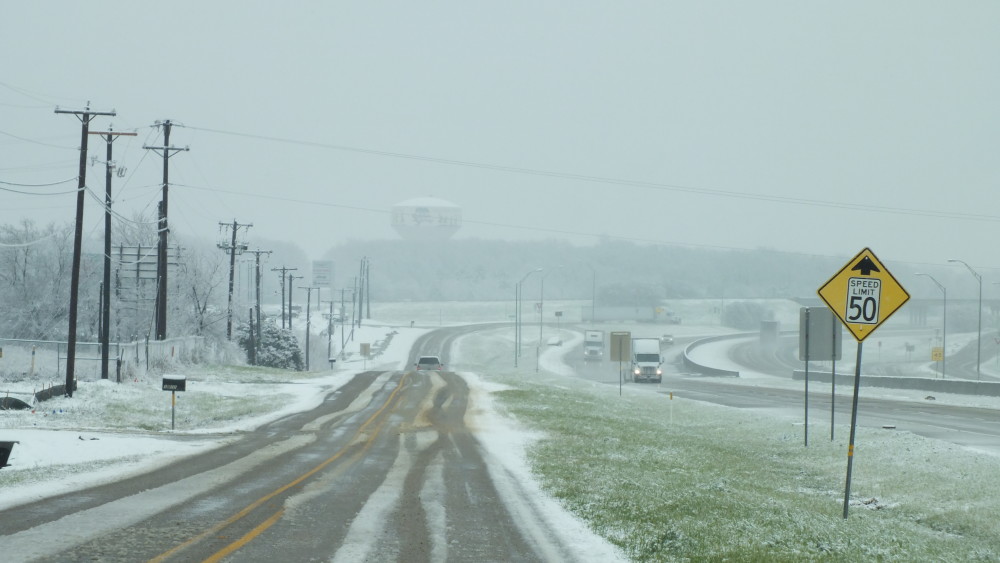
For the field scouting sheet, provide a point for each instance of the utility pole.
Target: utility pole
(283, 271)
(368, 288)
(85, 117)
(233, 249)
(253, 341)
(329, 333)
(257, 254)
(343, 318)
(361, 290)
(308, 320)
(109, 136)
(161, 262)
(291, 279)
(355, 300)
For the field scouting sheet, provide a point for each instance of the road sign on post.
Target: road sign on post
(621, 346)
(174, 383)
(863, 294)
(937, 354)
(621, 351)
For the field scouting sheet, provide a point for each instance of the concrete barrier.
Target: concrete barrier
(957, 386)
(705, 369)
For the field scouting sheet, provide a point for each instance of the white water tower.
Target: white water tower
(426, 218)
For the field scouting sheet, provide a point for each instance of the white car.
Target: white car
(429, 363)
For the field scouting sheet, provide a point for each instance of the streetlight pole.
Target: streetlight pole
(541, 318)
(518, 296)
(517, 314)
(944, 321)
(541, 305)
(593, 293)
(979, 336)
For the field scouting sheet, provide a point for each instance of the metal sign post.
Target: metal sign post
(819, 340)
(174, 383)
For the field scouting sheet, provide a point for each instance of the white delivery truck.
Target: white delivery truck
(646, 361)
(593, 345)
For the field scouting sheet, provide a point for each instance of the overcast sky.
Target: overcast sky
(810, 127)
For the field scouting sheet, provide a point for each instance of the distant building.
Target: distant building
(426, 218)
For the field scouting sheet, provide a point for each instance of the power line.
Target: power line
(33, 95)
(43, 166)
(26, 140)
(617, 181)
(40, 185)
(29, 243)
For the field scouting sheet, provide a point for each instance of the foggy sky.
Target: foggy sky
(803, 127)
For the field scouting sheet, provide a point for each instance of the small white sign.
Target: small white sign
(863, 297)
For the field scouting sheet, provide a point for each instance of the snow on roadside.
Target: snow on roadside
(66, 444)
(505, 443)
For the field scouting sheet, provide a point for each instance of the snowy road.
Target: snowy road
(388, 468)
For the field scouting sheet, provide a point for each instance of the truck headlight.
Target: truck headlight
(659, 371)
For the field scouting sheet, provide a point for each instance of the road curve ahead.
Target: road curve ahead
(385, 470)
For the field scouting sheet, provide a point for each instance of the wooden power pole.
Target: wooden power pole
(85, 117)
(233, 249)
(105, 336)
(161, 263)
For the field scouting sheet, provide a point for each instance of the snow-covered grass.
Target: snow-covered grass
(671, 479)
(715, 484)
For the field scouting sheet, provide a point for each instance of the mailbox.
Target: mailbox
(174, 382)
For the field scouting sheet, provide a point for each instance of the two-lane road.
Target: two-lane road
(386, 469)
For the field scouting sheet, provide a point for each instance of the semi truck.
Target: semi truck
(593, 345)
(646, 361)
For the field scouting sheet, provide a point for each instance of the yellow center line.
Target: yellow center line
(254, 505)
(247, 538)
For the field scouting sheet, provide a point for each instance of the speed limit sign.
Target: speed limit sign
(863, 294)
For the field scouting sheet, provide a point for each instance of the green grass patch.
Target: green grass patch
(684, 481)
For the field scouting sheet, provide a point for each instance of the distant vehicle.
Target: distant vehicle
(593, 345)
(429, 363)
(667, 339)
(646, 362)
(554, 341)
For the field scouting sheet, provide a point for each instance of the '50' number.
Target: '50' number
(862, 309)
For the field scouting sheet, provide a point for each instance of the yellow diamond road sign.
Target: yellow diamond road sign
(863, 294)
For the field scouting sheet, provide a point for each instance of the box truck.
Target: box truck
(593, 345)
